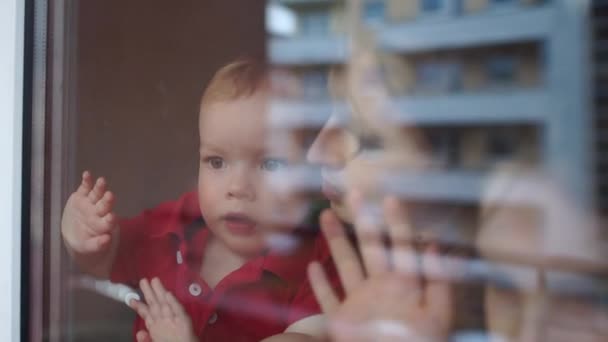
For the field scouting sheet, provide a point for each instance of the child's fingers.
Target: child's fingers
(176, 307)
(96, 243)
(149, 295)
(101, 225)
(143, 336)
(161, 296)
(141, 308)
(107, 223)
(97, 226)
(105, 204)
(98, 190)
(326, 297)
(344, 256)
(86, 185)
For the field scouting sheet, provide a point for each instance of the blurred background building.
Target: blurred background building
(487, 81)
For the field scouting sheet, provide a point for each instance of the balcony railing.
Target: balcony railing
(514, 106)
(456, 31)
(308, 50)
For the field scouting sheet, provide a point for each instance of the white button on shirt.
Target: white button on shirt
(213, 318)
(195, 289)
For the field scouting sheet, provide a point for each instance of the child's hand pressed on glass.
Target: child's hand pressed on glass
(88, 220)
(165, 318)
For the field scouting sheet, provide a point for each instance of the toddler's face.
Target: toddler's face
(235, 168)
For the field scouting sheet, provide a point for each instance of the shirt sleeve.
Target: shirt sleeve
(305, 303)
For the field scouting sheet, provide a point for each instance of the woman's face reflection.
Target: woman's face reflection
(362, 143)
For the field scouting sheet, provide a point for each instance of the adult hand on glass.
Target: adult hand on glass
(391, 293)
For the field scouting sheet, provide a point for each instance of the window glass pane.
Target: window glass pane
(276, 169)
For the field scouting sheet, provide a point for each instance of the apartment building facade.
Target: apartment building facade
(488, 81)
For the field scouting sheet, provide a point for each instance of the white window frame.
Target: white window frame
(12, 21)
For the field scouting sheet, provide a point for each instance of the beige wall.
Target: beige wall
(337, 17)
(140, 68)
(474, 5)
(402, 9)
(399, 72)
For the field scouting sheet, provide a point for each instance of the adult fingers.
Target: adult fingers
(400, 231)
(98, 190)
(344, 256)
(438, 294)
(326, 297)
(368, 229)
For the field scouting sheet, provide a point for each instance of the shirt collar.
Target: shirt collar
(179, 217)
(290, 265)
(185, 221)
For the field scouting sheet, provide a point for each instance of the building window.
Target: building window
(438, 76)
(444, 148)
(374, 11)
(502, 145)
(314, 24)
(501, 70)
(504, 4)
(314, 84)
(431, 5)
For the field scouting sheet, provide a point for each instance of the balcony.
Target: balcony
(490, 27)
(293, 114)
(515, 106)
(463, 186)
(305, 2)
(313, 50)
(453, 186)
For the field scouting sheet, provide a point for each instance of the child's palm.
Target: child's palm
(165, 318)
(88, 220)
(168, 329)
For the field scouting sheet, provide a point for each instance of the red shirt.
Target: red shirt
(260, 299)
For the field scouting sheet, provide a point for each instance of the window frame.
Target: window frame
(12, 75)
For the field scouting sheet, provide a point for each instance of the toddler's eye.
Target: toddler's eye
(215, 162)
(273, 164)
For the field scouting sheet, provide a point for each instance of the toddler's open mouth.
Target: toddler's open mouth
(239, 223)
